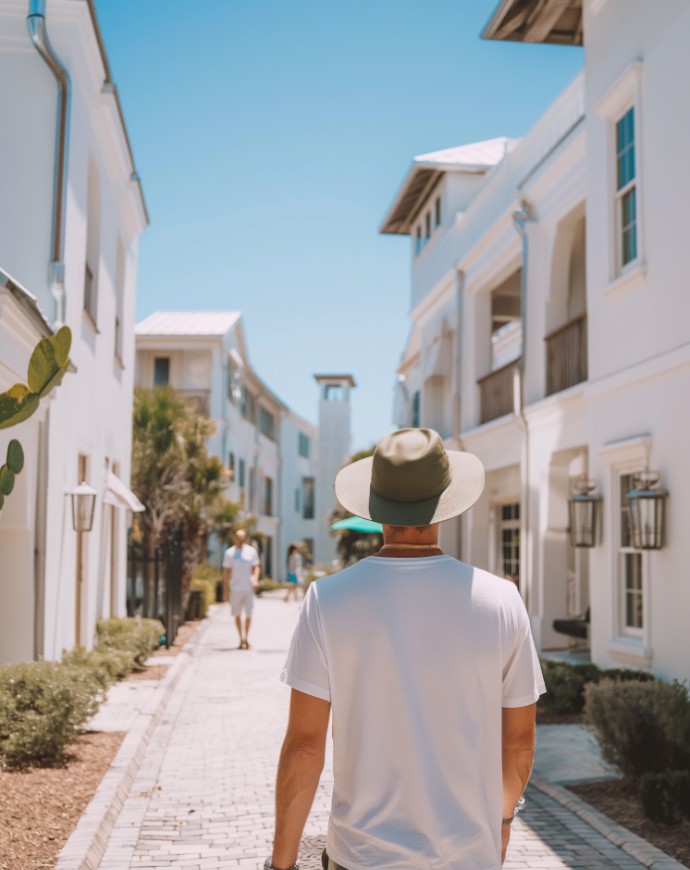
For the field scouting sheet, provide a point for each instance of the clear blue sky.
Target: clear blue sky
(271, 137)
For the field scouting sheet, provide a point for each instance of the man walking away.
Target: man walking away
(429, 667)
(241, 567)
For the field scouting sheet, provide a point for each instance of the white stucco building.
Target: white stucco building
(203, 356)
(71, 216)
(549, 326)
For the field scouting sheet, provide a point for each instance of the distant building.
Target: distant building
(71, 216)
(203, 356)
(335, 447)
(550, 333)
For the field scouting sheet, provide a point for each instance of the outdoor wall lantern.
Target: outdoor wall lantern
(583, 511)
(647, 511)
(83, 507)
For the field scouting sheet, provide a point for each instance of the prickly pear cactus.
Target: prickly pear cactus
(47, 368)
(9, 471)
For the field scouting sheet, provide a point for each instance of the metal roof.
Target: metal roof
(346, 378)
(211, 323)
(474, 158)
(548, 21)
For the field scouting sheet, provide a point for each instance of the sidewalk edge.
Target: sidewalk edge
(635, 846)
(87, 843)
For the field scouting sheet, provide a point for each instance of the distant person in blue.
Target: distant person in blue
(295, 576)
(241, 568)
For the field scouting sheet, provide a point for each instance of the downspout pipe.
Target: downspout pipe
(459, 278)
(521, 217)
(36, 23)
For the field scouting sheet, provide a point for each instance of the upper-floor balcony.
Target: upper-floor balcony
(199, 400)
(566, 355)
(497, 391)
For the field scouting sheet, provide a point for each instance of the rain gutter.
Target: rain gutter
(36, 23)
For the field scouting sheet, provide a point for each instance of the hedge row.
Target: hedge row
(44, 705)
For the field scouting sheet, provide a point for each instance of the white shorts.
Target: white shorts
(241, 599)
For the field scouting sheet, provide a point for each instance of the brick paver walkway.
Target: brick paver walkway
(203, 797)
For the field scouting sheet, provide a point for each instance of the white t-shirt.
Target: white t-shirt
(241, 560)
(417, 657)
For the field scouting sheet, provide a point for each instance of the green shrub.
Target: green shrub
(107, 665)
(207, 571)
(136, 636)
(565, 684)
(43, 706)
(208, 593)
(642, 726)
(625, 674)
(666, 796)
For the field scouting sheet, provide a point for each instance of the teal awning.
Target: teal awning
(358, 524)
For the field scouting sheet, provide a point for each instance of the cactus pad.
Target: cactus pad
(16, 405)
(15, 456)
(6, 480)
(49, 361)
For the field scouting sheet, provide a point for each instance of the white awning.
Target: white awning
(118, 495)
(438, 359)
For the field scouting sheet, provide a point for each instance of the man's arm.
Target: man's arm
(299, 769)
(226, 581)
(518, 739)
(256, 573)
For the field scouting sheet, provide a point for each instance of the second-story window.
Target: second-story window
(308, 498)
(267, 423)
(161, 371)
(427, 227)
(93, 243)
(415, 409)
(303, 445)
(418, 244)
(437, 212)
(268, 497)
(241, 472)
(248, 406)
(626, 187)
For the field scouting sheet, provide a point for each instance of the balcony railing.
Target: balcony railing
(496, 392)
(566, 355)
(198, 399)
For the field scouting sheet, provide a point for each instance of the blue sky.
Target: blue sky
(272, 135)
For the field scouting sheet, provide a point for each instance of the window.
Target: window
(248, 407)
(418, 244)
(267, 423)
(415, 409)
(252, 488)
(231, 465)
(308, 498)
(509, 541)
(93, 242)
(333, 393)
(161, 371)
(427, 227)
(303, 445)
(241, 473)
(119, 297)
(630, 567)
(626, 187)
(298, 500)
(268, 497)
(437, 212)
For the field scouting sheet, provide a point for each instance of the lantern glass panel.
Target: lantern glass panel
(647, 515)
(583, 520)
(82, 511)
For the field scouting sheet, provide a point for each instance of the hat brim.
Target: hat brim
(353, 490)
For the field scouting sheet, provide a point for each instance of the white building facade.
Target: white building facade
(203, 356)
(549, 334)
(71, 216)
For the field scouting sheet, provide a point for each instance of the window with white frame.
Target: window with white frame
(509, 540)
(626, 188)
(630, 568)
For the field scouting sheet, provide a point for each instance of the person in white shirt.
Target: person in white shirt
(241, 567)
(431, 674)
(295, 576)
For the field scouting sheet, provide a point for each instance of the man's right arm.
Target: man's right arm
(518, 741)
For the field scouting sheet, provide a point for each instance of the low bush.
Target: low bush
(136, 636)
(107, 665)
(208, 593)
(642, 726)
(43, 706)
(666, 796)
(565, 684)
(625, 674)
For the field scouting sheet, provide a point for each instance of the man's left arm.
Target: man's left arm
(256, 573)
(299, 769)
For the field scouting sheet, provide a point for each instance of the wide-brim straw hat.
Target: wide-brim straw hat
(411, 480)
